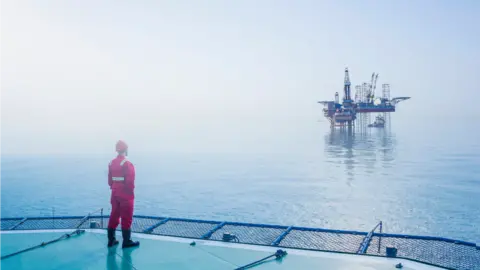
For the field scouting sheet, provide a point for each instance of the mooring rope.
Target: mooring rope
(43, 244)
(194, 244)
(64, 236)
(278, 255)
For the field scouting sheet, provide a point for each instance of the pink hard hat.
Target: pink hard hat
(121, 146)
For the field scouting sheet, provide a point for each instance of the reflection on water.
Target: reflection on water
(362, 152)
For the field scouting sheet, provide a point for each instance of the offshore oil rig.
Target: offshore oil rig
(366, 102)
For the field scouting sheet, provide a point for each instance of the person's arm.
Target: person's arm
(110, 181)
(129, 176)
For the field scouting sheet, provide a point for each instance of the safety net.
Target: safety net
(442, 252)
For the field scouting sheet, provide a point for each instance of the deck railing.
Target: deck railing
(442, 252)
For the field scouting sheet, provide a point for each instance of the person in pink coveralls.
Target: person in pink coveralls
(121, 179)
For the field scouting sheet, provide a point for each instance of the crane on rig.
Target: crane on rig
(371, 90)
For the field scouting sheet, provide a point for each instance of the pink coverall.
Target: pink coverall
(121, 179)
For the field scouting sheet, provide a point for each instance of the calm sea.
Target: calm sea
(417, 176)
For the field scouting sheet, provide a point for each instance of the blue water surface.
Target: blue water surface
(418, 177)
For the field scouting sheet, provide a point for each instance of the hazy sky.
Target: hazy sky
(186, 75)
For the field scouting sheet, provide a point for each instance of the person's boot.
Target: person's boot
(111, 238)
(127, 242)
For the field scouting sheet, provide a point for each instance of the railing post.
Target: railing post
(282, 236)
(101, 217)
(362, 249)
(380, 238)
(82, 221)
(212, 231)
(151, 228)
(18, 224)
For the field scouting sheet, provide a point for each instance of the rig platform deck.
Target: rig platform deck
(371, 246)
